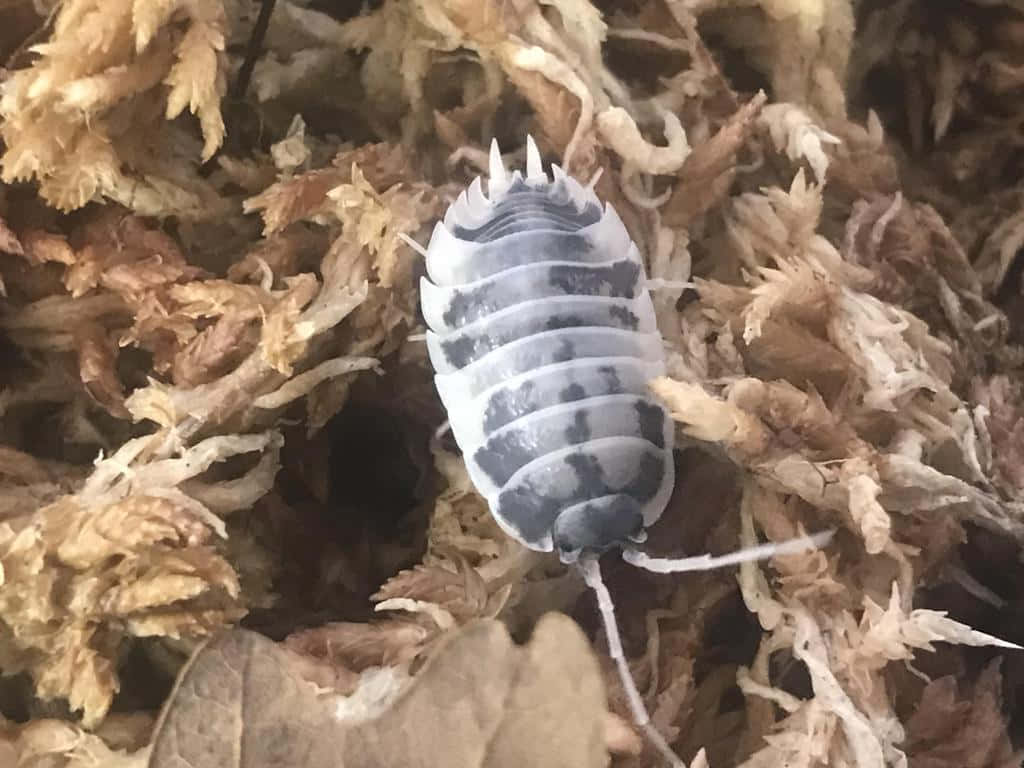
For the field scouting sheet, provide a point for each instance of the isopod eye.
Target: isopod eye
(596, 526)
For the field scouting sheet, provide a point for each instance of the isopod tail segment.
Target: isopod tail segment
(543, 341)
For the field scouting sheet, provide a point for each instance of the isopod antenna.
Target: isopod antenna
(591, 572)
(708, 562)
(592, 576)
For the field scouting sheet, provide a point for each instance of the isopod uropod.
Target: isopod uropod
(543, 339)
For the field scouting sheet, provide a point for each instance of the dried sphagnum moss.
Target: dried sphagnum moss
(848, 355)
(87, 118)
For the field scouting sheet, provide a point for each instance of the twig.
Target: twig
(252, 51)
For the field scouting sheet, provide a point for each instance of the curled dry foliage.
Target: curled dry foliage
(135, 549)
(951, 727)
(540, 704)
(84, 118)
(831, 196)
(129, 554)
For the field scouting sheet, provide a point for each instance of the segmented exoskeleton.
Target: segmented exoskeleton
(543, 339)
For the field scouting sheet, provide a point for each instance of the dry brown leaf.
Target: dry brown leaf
(240, 702)
(952, 727)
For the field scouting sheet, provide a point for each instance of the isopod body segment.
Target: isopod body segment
(543, 339)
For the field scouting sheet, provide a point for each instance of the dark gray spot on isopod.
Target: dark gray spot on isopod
(618, 280)
(565, 352)
(574, 391)
(506, 405)
(503, 454)
(580, 431)
(530, 512)
(564, 321)
(652, 422)
(533, 513)
(568, 248)
(648, 478)
(466, 304)
(612, 382)
(462, 350)
(623, 315)
(588, 471)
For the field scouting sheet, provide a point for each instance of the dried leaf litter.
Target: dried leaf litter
(218, 442)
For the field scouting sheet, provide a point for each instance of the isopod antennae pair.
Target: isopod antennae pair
(543, 338)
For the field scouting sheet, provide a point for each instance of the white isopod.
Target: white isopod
(543, 338)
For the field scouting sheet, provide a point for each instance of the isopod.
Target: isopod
(543, 338)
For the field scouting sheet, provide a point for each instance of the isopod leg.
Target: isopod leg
(412, 244)
(658, 284)
(707, 562)
(592, 576)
